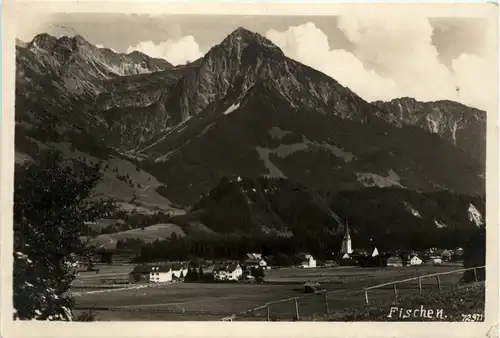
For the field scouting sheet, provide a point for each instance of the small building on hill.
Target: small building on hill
(394, 261)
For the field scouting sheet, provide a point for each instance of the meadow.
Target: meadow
(213, 301)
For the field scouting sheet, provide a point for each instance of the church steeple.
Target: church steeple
(347, 233)
(346, 241)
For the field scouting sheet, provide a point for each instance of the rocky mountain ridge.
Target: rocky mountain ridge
(242, 109)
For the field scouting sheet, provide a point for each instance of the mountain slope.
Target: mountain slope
(263, 133)
(463, 126)
(283, 207)
(244, 109)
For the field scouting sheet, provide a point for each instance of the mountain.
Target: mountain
(244, 109)
(286, 208)
(463, 126)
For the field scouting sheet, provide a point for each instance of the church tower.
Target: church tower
(346, 241)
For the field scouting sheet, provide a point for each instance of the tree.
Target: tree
(51, 205)
(474, 256)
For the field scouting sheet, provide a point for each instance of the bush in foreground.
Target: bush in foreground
(51, 205)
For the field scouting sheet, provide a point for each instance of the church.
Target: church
(346, 249)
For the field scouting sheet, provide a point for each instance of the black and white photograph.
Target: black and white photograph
(250, 167)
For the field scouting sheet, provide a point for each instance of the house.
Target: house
(435, 260)
(179, 269)
(446, 255)
(359, 253)
(254, 255)
(227, 271)
(330, 263)
(141, 273)
(394, 261)
(415, 260)
(219, 271)
(308, 261)
(254, 261)
(234, 271)
(160, 273)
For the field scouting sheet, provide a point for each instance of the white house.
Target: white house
(179, 270)
(415, 260)
(231, 271)
(255, 261)
(254, 255)
(234, 271)
(309, 261)
(160, 274)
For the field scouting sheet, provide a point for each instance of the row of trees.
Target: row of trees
(234, 247)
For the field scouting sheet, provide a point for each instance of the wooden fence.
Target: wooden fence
(419, 280)
(295, 308)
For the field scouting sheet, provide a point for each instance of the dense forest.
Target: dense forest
(247, 214)
(322, 247)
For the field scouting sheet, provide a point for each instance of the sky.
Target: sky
(380, 55)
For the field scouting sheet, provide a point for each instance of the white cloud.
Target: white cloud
(393, 57)
(100, 45)
(309, 45)
(177, 52)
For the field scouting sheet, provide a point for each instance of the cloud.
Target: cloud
(393, 56)
(100, 45)
(309, 45)
(177, 52)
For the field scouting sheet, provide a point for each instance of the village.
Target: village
(253, 267)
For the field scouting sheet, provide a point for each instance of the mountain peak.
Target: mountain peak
(242, 38)
(243, 32)
(44, 41)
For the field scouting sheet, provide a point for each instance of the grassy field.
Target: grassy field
(144, 184)
(213, 301)
(455, 305)
(148, 234)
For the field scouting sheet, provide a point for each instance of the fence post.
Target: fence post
(296, 308)
(395, 290)
(366, 297)
(420, 285)
(439, 282)
(327, 309)
(475, 274)
(268, 314)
